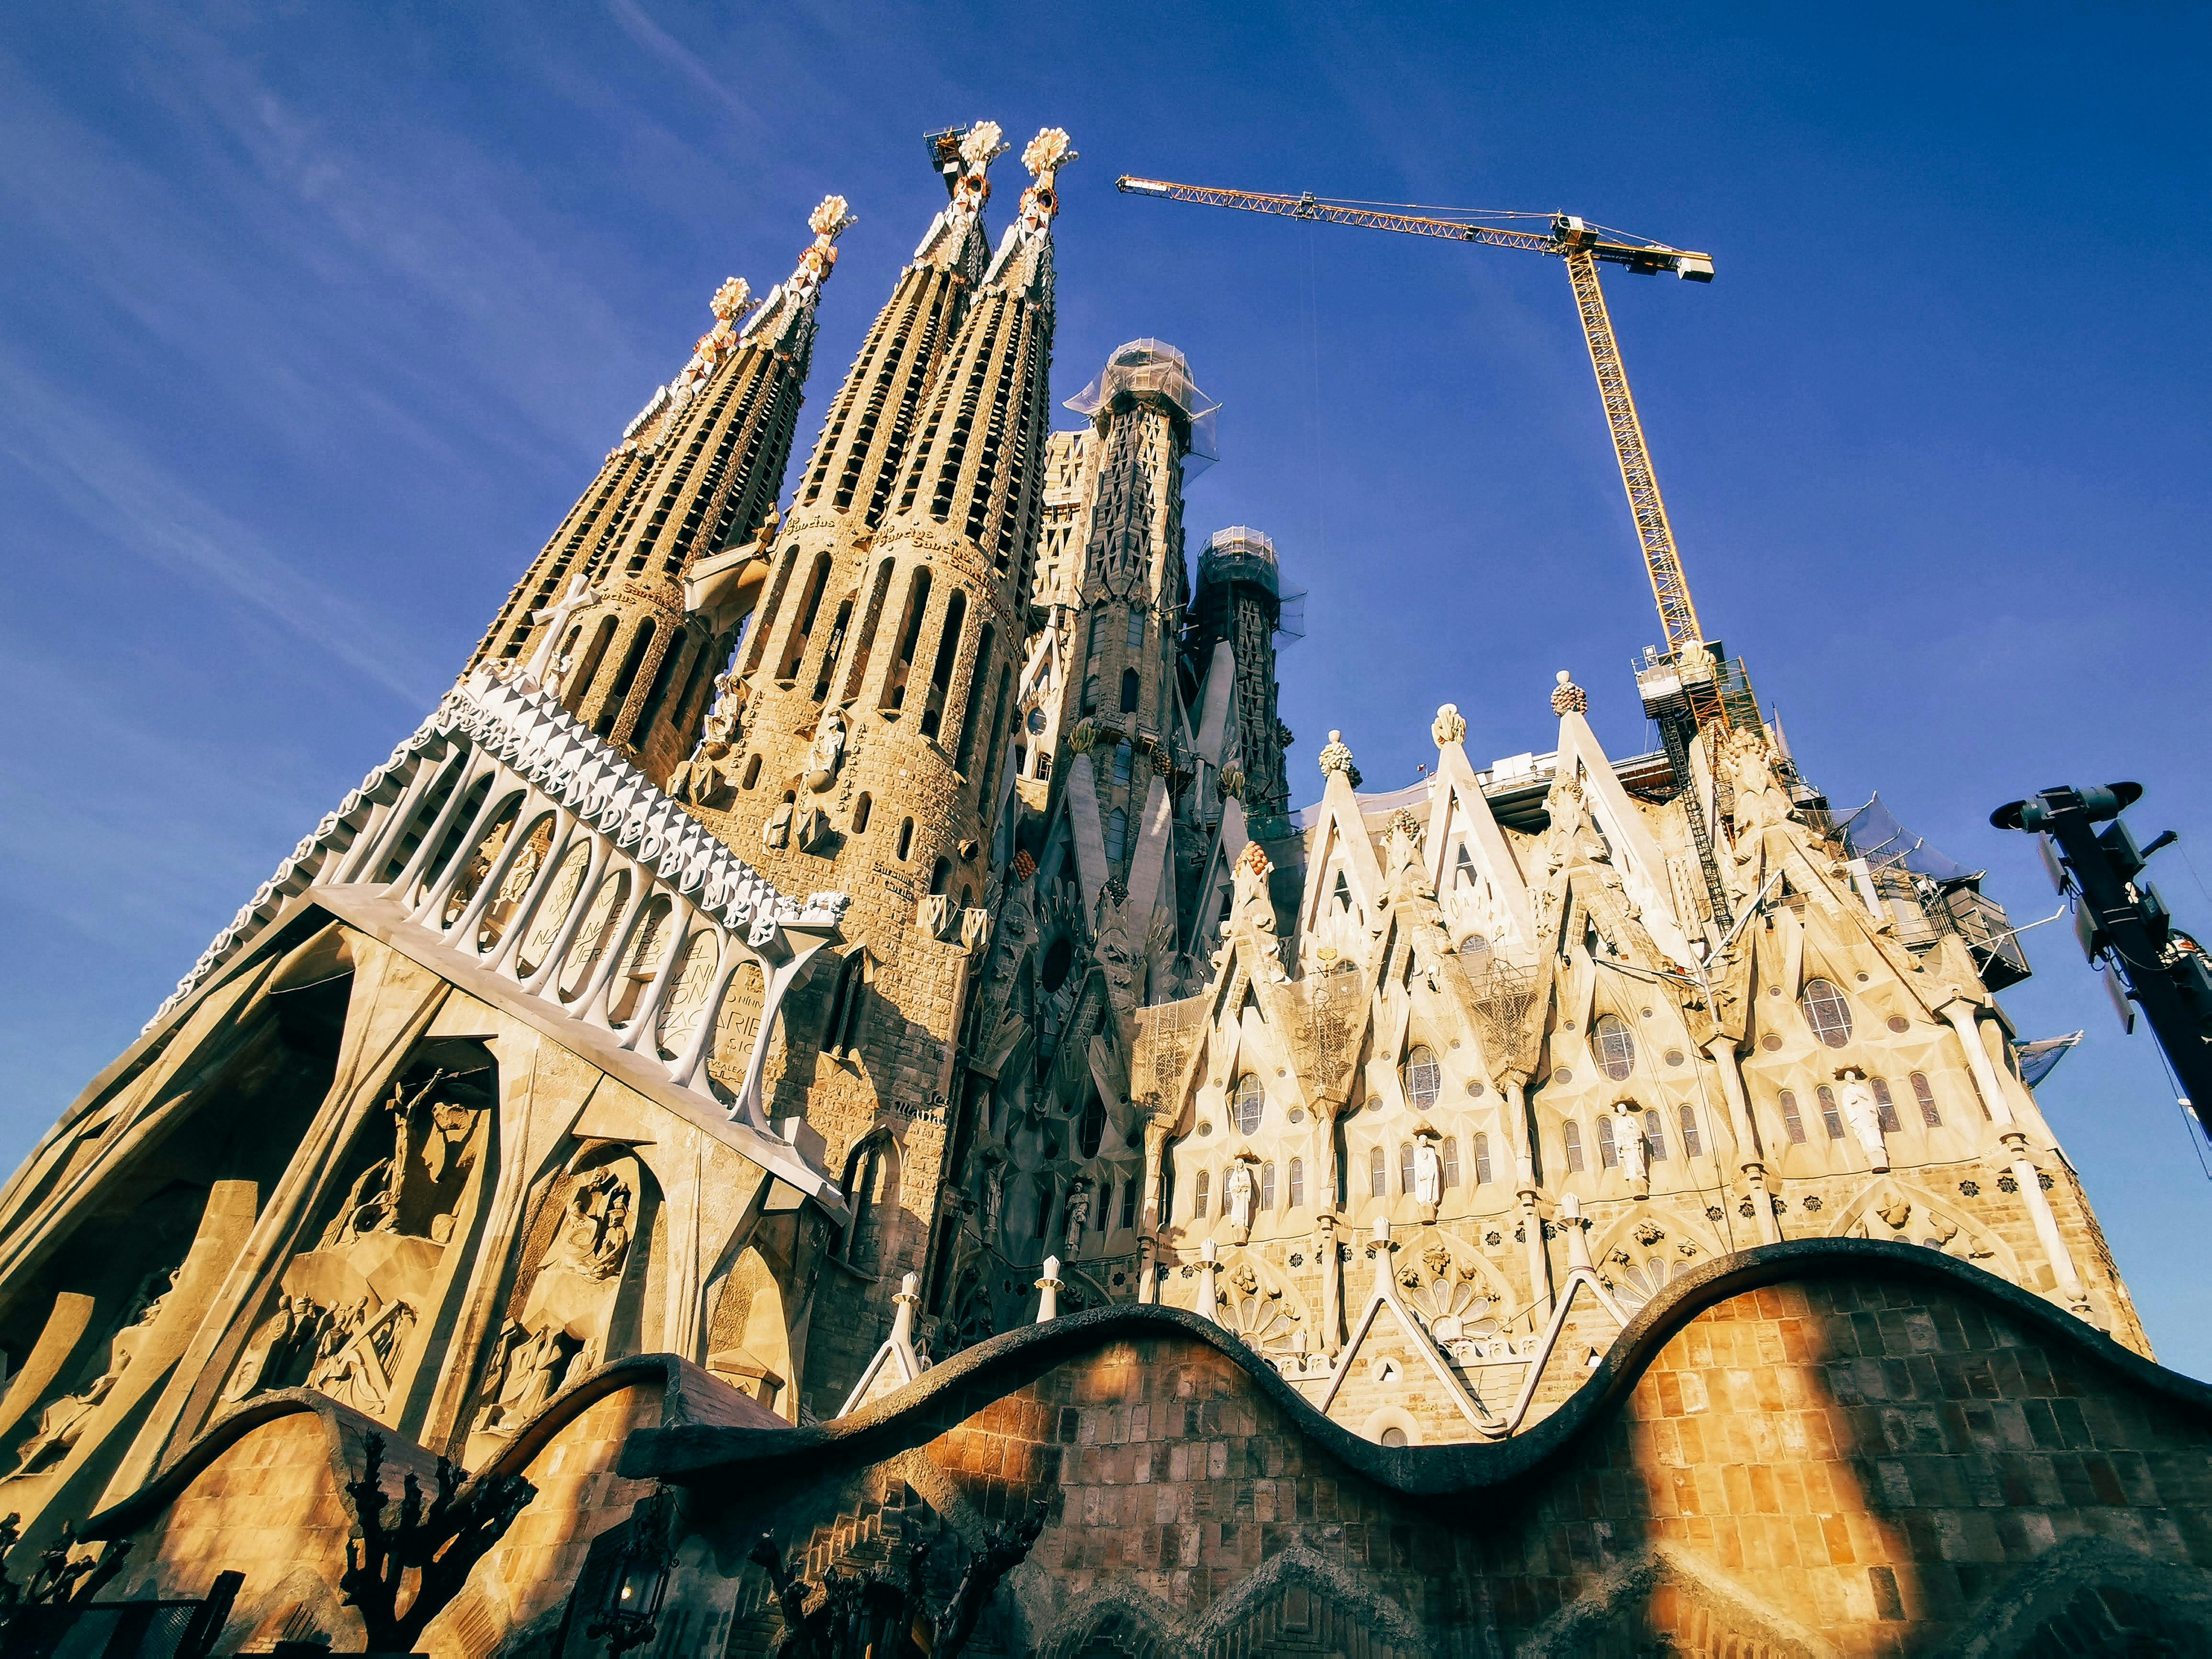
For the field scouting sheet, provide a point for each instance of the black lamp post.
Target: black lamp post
(630, 1613)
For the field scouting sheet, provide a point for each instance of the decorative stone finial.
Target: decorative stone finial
(1447, 726)
(1049, 1289)
(1567, 697)
(986, 142)
(831, 219)
(1254, 858)
(733, 299)
(1047, 153)
(1335, 756)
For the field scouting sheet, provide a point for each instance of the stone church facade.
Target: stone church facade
(835, 1027)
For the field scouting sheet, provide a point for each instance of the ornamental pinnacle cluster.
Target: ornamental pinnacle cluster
(836, 1028)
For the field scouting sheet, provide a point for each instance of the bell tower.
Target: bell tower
(876, 689)
(695, 474)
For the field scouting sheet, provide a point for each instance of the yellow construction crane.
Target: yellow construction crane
(1685, 690)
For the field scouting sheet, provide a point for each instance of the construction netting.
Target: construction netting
(1874, 834)
(1154, 368)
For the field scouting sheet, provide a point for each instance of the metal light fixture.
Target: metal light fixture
(630, 1614)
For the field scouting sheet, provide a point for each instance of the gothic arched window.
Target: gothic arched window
(1655, 1135)
(1481, 1161)
(1267, 1185)
(1422, 1078)
(1886, 1109)
(1405, 1166)
(1117, 835)
(1198, 1186)
(1831, 1115)
(1250, 1104)
(1608, 1155)
(1614, 1047)
(1131, 687)
(1790, 1119)
(1298, 1194)
(1136, 629)
(1926, 1097)
(1124, 757)
(1571, 1134)
(1093, 1127)
(1692, 1147)
(1828, 1013)
(1375, 1187)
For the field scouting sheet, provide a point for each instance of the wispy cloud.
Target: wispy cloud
(673, 52)
(115, 489)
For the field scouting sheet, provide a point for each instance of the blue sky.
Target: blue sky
(314, 320)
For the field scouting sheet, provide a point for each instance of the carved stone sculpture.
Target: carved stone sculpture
(1428, 1173)
(1237, 1197)
(283, 1351)
(826, 753)
(1863, 1114)
(1628, 1139)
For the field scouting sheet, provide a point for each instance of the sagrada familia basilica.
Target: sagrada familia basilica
(830, 1100)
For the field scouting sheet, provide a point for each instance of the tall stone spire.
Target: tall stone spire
(695, 472)
(876, 689)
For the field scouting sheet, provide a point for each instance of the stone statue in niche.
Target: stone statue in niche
(283, 1351)
(358, 1356)
(827, 752)
(416, 1190)
(1428, 1172)
(63, 1423)
(776, 832)
(530, 1370)
(595, 1237)
(1236, 1195)
(1628, 1139)
(1078, 1215)
(1863, 1113)
(995, 1197)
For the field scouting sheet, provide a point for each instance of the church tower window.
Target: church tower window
(1131, 687)
(1926, 1097)
(905, 835)
(1608, 1155)
(1297, 1196)
(1251, 1104)
(1375, 1187)
(1423, 1078)
(1117, 835)
(1828, 1013)
(1692, 1145)
(1198, 1186)
(1136, 629)
(1830, 1117)
(1614, 1046)
(940, 671)
(1570, 1133)
(1790, 1119)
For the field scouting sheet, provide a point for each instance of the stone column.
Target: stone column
(1750, 1156)
(1532, 1223)
(1049, 1289)
(1962, 1014)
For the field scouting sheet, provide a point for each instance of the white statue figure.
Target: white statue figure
(827, 752)
(1236, 1196)
(776, 832)
(1628, 1139)
(1428, 1172)
(1863, 1113)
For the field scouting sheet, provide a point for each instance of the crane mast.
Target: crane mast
(1682, 689)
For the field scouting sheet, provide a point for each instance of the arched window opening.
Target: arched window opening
(1405, 1166)
(838, 624)
(1340, 1154)
(1089, 695)
(1132, 1190)
(1092, 1129)
(1570, 1134)
(948, 654)
(1831, 1118)
(1926, 1097)
(1298, 1194)
(1374, 1184)
(986, 790)
(752, 771)
(905, 839)
(1136, 629)
(1167, 1185)
(967, 895)
(940, 873)
(1464, 879)
(1885, 1108)
(1481, 1159)
(1792, 1123)
(860, 808)
(587, 667)
(1613, 1047)
(1655, 1135)
(1251, 1105)
(1131, 688)
(978, 678)
(1093, 628)
(910, 639)
(1117, 835)
(1267, 1185)
(1059, 962)
(870, 619)
(840, 1025)
(1828, 1013)
(1693, 1146)
(1124, 757)
(1198, 1196)
(870, 1181)
(810, 606)
(1423, 1078)
(656, 694)
(626, 677)
(1608, 1155)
